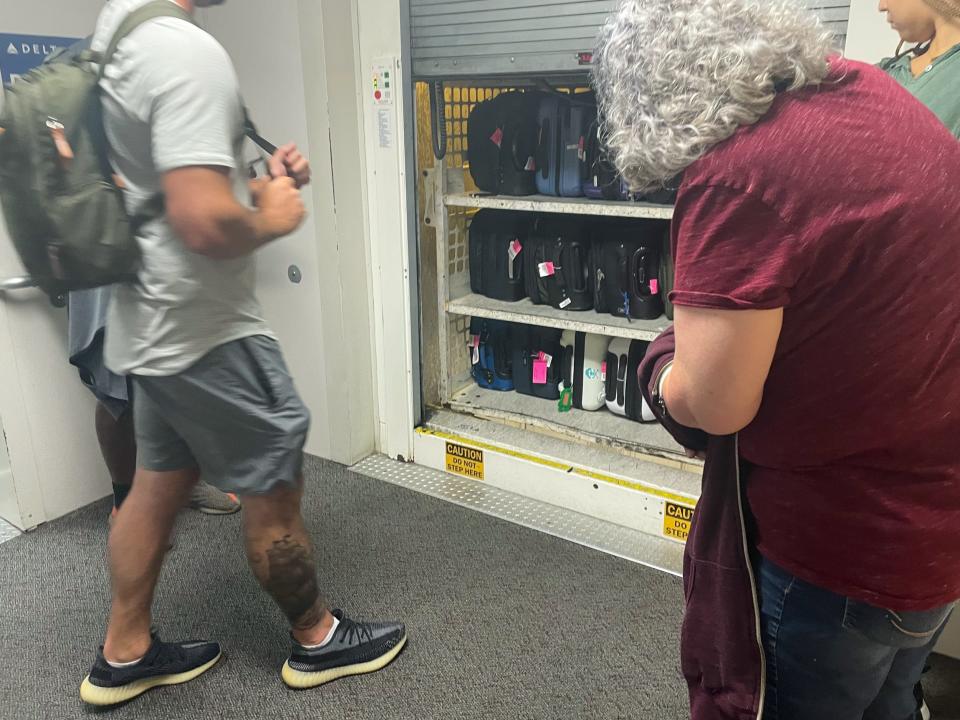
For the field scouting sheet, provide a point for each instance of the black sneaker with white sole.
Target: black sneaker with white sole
(164, 664)
(355, 649)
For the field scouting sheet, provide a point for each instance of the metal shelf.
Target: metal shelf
(527, 313)
(568, 206)
(601, 427)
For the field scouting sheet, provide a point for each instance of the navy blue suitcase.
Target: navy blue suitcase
(563, 125)
(548, 141)
(491, 358)
(577, 120)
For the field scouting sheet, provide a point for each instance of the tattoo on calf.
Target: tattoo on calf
(291, 579)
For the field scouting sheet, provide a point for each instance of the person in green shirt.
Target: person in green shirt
(931, 69)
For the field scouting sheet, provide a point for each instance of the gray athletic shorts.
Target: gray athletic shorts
(235, 415)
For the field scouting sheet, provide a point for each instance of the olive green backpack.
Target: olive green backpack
(62, 207)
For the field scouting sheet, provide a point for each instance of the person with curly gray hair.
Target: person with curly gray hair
(815, 321)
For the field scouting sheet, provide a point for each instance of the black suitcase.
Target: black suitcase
(534, 253)
(537, 361)
(502, 136)
(626, 269)
(599, 177)
(562, 242)
(497, 240)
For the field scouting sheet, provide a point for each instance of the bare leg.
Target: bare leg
(118, 445)
(138, 543)
(281, 556)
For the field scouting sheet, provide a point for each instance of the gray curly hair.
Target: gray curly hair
(676, 77)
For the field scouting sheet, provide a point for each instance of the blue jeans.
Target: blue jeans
(830, 657)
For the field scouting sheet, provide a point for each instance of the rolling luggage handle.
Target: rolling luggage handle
(523, 166)
(638, 273)
(570, 256)
(538, 282)
(567, 368)
(599, 303)
(611, 364)
(542, 157)
(643, 286)
(568, 382)
(561, 282)
(501, 357)
(514, 250)
(625, 283)
(622, 363)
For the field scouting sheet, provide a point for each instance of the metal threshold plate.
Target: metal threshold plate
(605, 537)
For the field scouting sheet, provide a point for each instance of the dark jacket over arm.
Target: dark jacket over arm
(720, 647)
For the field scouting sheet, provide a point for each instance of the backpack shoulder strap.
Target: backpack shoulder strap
(150, 11)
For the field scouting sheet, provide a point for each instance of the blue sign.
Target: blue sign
(21, 53)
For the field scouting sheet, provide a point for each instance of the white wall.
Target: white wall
(382, 25)
(9, 504)
(47, 414)
(331, 71)
(869, 37)
(263, 41)
(295, 94)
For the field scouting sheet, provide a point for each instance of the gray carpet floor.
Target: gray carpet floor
(504, 622)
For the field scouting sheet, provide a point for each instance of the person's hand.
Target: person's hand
(257, 186)
(281, 207)
(289, 162)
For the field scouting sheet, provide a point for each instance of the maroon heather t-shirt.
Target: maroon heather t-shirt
(841, 207)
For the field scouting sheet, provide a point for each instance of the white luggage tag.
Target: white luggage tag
(513, 252)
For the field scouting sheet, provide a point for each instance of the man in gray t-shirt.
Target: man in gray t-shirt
(212, 394)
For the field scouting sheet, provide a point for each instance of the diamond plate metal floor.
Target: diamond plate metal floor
(560, 522)
(8, 531)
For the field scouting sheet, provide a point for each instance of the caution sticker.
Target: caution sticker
(465, 461)
(676, 521)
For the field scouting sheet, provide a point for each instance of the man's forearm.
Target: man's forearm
(242, 234)
(225, 233)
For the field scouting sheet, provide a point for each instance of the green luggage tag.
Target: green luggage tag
(566, 400)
